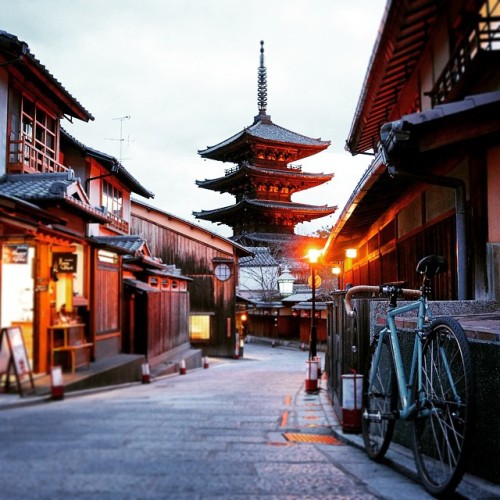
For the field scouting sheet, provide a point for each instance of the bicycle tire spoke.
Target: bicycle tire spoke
(441, 428)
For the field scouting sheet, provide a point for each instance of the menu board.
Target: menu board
(13, 356)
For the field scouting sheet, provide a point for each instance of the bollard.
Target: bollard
(146, 373)
(311, 384)
(56, 383)
(182, 368)
(352, 391)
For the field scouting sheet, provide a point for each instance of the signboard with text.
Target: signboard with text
(64, 262)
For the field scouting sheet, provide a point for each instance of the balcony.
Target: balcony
(118, 223)
(24, 158)
(471, 58)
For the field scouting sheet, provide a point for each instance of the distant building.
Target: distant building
(264, 180)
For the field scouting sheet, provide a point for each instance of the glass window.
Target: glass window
(112, 199)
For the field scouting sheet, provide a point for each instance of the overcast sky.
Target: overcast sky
(185, 72)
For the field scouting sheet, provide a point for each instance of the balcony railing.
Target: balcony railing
(118, 223)
(484, 37)
(24, 158)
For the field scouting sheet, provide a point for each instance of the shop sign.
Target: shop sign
(15, 254)
(64, 262)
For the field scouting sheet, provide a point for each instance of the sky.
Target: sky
(167, 78)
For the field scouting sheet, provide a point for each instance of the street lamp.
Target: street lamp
(285, 282)
(313, 257)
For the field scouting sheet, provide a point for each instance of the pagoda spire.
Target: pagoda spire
(262, 87)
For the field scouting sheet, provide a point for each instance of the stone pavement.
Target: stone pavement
(241, 429)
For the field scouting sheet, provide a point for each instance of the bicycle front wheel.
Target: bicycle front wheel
(380, 398)
(445, 402)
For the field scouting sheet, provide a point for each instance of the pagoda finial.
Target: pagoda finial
(262, 83)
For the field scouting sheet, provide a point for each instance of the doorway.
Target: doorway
(17, 285)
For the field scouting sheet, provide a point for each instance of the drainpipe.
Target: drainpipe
(459, 186)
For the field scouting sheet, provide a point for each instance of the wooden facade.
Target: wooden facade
(64, 230)
(200, 254)
(432, 186)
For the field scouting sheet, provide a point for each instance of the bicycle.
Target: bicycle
(435, 391)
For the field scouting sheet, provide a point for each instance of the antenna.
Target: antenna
(121, 139)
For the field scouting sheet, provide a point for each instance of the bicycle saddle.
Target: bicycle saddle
(432, 265)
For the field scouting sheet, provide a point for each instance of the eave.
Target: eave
(263, 133)
(403, 34)
(249, 174)
(473, 121)
(29, 68)
(300, 211)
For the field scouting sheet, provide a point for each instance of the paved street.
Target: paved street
(214, 433)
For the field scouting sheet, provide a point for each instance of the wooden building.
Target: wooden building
(211, 263)
(65, 233)
(428, 115)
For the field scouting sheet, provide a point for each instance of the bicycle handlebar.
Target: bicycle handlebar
(379, 289)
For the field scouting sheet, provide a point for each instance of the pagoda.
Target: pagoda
(263, 178)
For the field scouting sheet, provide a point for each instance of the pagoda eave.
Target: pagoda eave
(264, 136)
(299, 212)
(249, 175)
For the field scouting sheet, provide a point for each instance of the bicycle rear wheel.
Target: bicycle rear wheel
(443, 425)
(379, 401)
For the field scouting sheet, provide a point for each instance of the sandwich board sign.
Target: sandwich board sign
(14, 358)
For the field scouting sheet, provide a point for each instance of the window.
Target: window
(222, 272)
(199, 327)
(112, 199)
(39, 130)
(107, 257)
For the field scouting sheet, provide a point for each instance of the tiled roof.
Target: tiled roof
(51, 187)
(268, 131)
(262, 258)
(301, 180)
(292, 207)
(130, 244)
(36, 186)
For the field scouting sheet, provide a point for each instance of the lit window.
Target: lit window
(108, 257)
(199, 327)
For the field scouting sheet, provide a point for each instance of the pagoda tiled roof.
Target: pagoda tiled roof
(265, 131)
(314, 211)
(304, 180)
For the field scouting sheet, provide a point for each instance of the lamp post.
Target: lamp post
(313, 259)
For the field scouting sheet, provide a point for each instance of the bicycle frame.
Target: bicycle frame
(408, 405)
